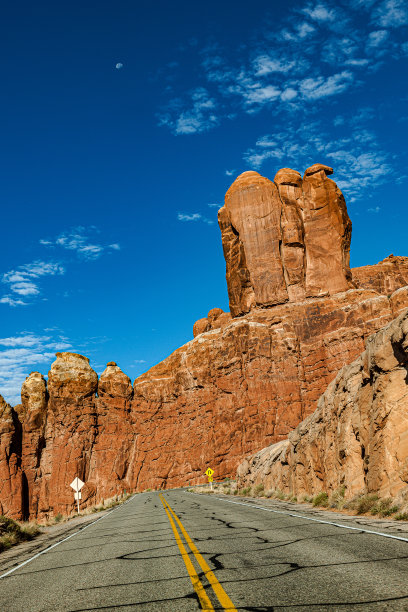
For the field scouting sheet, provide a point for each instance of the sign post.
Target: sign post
(210, 473)
(77, 485)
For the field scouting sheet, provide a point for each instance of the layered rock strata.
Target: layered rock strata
(358, 435)
(247, 379)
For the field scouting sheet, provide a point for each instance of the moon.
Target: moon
(118, 66)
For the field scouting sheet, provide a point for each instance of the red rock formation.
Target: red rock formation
(286, 240)
(358, 435)
(111, 467)
(33, 417)
(253, 379)
(327, 234)
(69, 434)
(215, 319)
(10, 460)
(246, 379)
(385, 277)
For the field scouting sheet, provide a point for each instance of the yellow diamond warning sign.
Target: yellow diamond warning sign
(209, 472)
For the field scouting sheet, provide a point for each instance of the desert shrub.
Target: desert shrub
(336, 499)
(362, 504)
(235, 491)
(293, 499)
(245, 491)
(279, 494)
(13, 532)
(269, 493)
(402, 516)
(384, 507)
(227, 491)
(259, 490)
(58, 517)
(306, 499)
(321, 499)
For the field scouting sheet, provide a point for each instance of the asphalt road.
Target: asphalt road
(193, 552)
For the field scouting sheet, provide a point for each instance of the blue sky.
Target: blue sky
(122, 126)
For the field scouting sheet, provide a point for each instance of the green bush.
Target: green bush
(235, 491)
(402, 516)
(58, 517)
(321, 499)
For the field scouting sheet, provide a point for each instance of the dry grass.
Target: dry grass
(13, 532)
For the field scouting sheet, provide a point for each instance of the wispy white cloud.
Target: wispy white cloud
(78, 240)
(376, 38)
(320, 13)
(300, 32)
(195, 116)
(11, 301)
(187, 217)
(376, 209)
(359, 161)
(320, 87)
(318, 51)
(23, 353)
(23, 281)
(265, 64)
(391, 13)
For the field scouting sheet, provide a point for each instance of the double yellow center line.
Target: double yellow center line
(205, 601)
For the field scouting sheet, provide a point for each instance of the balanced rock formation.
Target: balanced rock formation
(284, 240)
(245, 380)
(358, 435)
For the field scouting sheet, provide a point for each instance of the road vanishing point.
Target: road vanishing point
(181, 551)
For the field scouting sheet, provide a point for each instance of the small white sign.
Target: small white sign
(77, 495)
(77, 484)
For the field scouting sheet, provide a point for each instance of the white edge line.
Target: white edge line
(14, 569)
(307, 518)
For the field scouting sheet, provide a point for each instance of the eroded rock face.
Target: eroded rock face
(284, 240)
(327, 233)
(246, 380)
(111, 466)
(69, 433)
(253, 209)
(385, 277)
(215, 319)
(358, 435)
(10, 462)
(33, 415)
(254, 378)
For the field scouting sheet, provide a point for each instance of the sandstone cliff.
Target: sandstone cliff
(245, 380)
(284, 240)
(358, 435)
